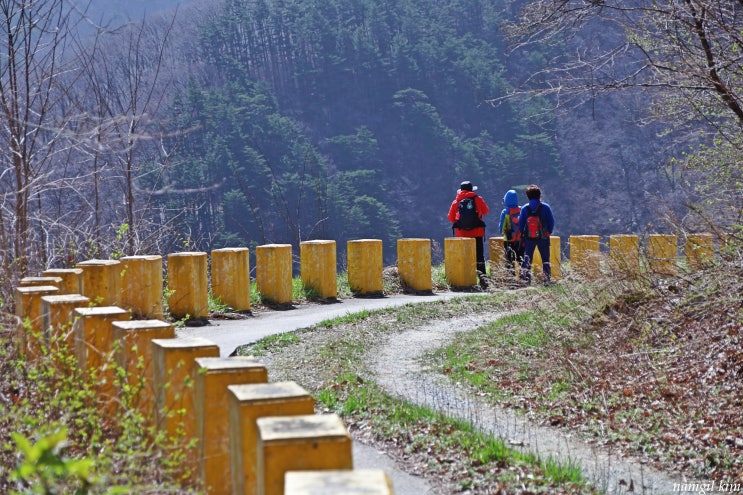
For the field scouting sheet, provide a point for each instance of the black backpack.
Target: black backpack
(468, 217)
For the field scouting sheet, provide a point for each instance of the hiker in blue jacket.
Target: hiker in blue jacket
(536, 223)
(508, 226)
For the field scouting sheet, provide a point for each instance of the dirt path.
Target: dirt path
(397, 368)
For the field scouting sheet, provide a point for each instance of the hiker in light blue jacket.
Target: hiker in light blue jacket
(508, 226)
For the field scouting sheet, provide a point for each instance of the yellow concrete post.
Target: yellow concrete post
(555, 257)
(231, 277)
(700, 250)
(29, 332)
(173, 379)
(247, 403)
(585, 256)
(93, 334)
(460, 261)
(299, 443)
(36, 281)
(188, 285)
(624, 254)
(72, 279)
(213, 376)
(102, 281)
(273, 272)
(133, 353)
(318, 268)
(498, 269)
(142, 286)
(58, 317)
(365, 266)
(338, 482)
(414, 264)
(662, 254)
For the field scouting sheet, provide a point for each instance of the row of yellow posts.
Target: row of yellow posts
(586, 258)
(252, 436)
(136, 282)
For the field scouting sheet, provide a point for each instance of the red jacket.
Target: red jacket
(482, 210)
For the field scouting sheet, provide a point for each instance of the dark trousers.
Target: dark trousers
(544, 251)
(480, 253)
(514, 254)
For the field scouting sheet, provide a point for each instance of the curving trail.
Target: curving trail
(396, 367)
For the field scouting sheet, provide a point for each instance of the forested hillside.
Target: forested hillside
(208, 124)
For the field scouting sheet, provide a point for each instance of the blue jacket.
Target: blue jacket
(510, 200)
(545, 214)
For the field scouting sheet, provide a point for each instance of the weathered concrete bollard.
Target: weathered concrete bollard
(318, 269)
(498, 269)
(414, 264)
(173, 379)
(72, 279)
(334, 482)
(624, 254)
(188, 285)
(700, 250)
(585, 256)
(133, 353)
(102, 281)
(30, 332)
(365, 266)
(231, 277)
(93, 335)
(299, 443)
(662, 254)
(273, 272)
(142, 286)
(247, 403)
(37, 281)
(213, 376)
(460, 261)
(555, 263)
(58, 316)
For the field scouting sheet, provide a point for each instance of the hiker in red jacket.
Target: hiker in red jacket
(466, 214)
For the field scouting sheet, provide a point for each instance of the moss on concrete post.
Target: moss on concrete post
(338, 482)
(585, 256)
(299, 443)
(460, 261)
(273, 272)
(624, 254)
(93, 334)
(231, 277)
(414, 264)
(700, 250)
(58, 316)
(662, 254)
(30, 330)
(318, 269)
(365, 266)
(72, 279)
(247, 403)
(188, 286)
(142, 286)
(213, 376)
(102, 281)
(173, 379)
(133, 353)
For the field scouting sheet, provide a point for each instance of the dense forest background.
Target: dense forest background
(151, 127)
